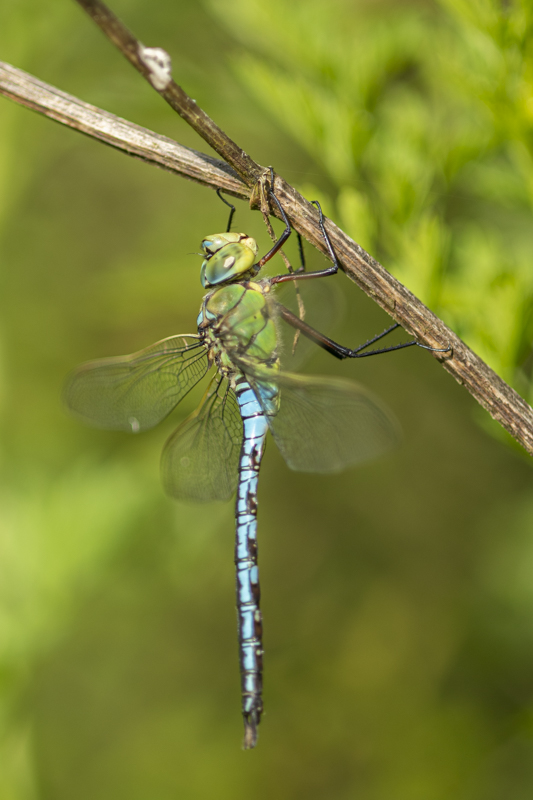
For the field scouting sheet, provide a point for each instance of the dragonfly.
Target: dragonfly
(320, 425)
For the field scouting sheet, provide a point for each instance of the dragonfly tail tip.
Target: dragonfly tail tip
(250, 734)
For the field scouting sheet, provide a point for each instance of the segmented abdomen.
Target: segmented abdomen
(248, 591)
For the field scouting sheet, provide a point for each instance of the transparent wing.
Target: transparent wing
(134, 393)
(324, 306)
(325, 424)
(200, 460)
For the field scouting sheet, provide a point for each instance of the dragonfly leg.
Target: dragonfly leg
(325, 342)
(300, 274)
(286, 233)
(247, 580)
(339, 351)
(232, 209)
(302, 266)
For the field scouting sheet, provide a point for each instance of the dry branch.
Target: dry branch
(185, 106)
(502, 402)
(117, 132)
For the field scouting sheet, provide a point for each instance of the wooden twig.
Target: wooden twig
(154, 65)
(126, 136)
(502, 402)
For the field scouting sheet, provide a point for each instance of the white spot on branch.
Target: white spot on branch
(159, 66)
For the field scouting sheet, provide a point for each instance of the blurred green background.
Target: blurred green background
(398, 598)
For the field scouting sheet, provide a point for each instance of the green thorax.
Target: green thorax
(237, 325)
(239, 332)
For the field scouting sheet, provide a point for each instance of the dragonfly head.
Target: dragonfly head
(227, 257)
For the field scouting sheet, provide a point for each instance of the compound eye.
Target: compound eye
(247, 241)
(215, 241)
(209, 247)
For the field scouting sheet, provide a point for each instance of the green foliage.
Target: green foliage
(421, 117)
(55, 542)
